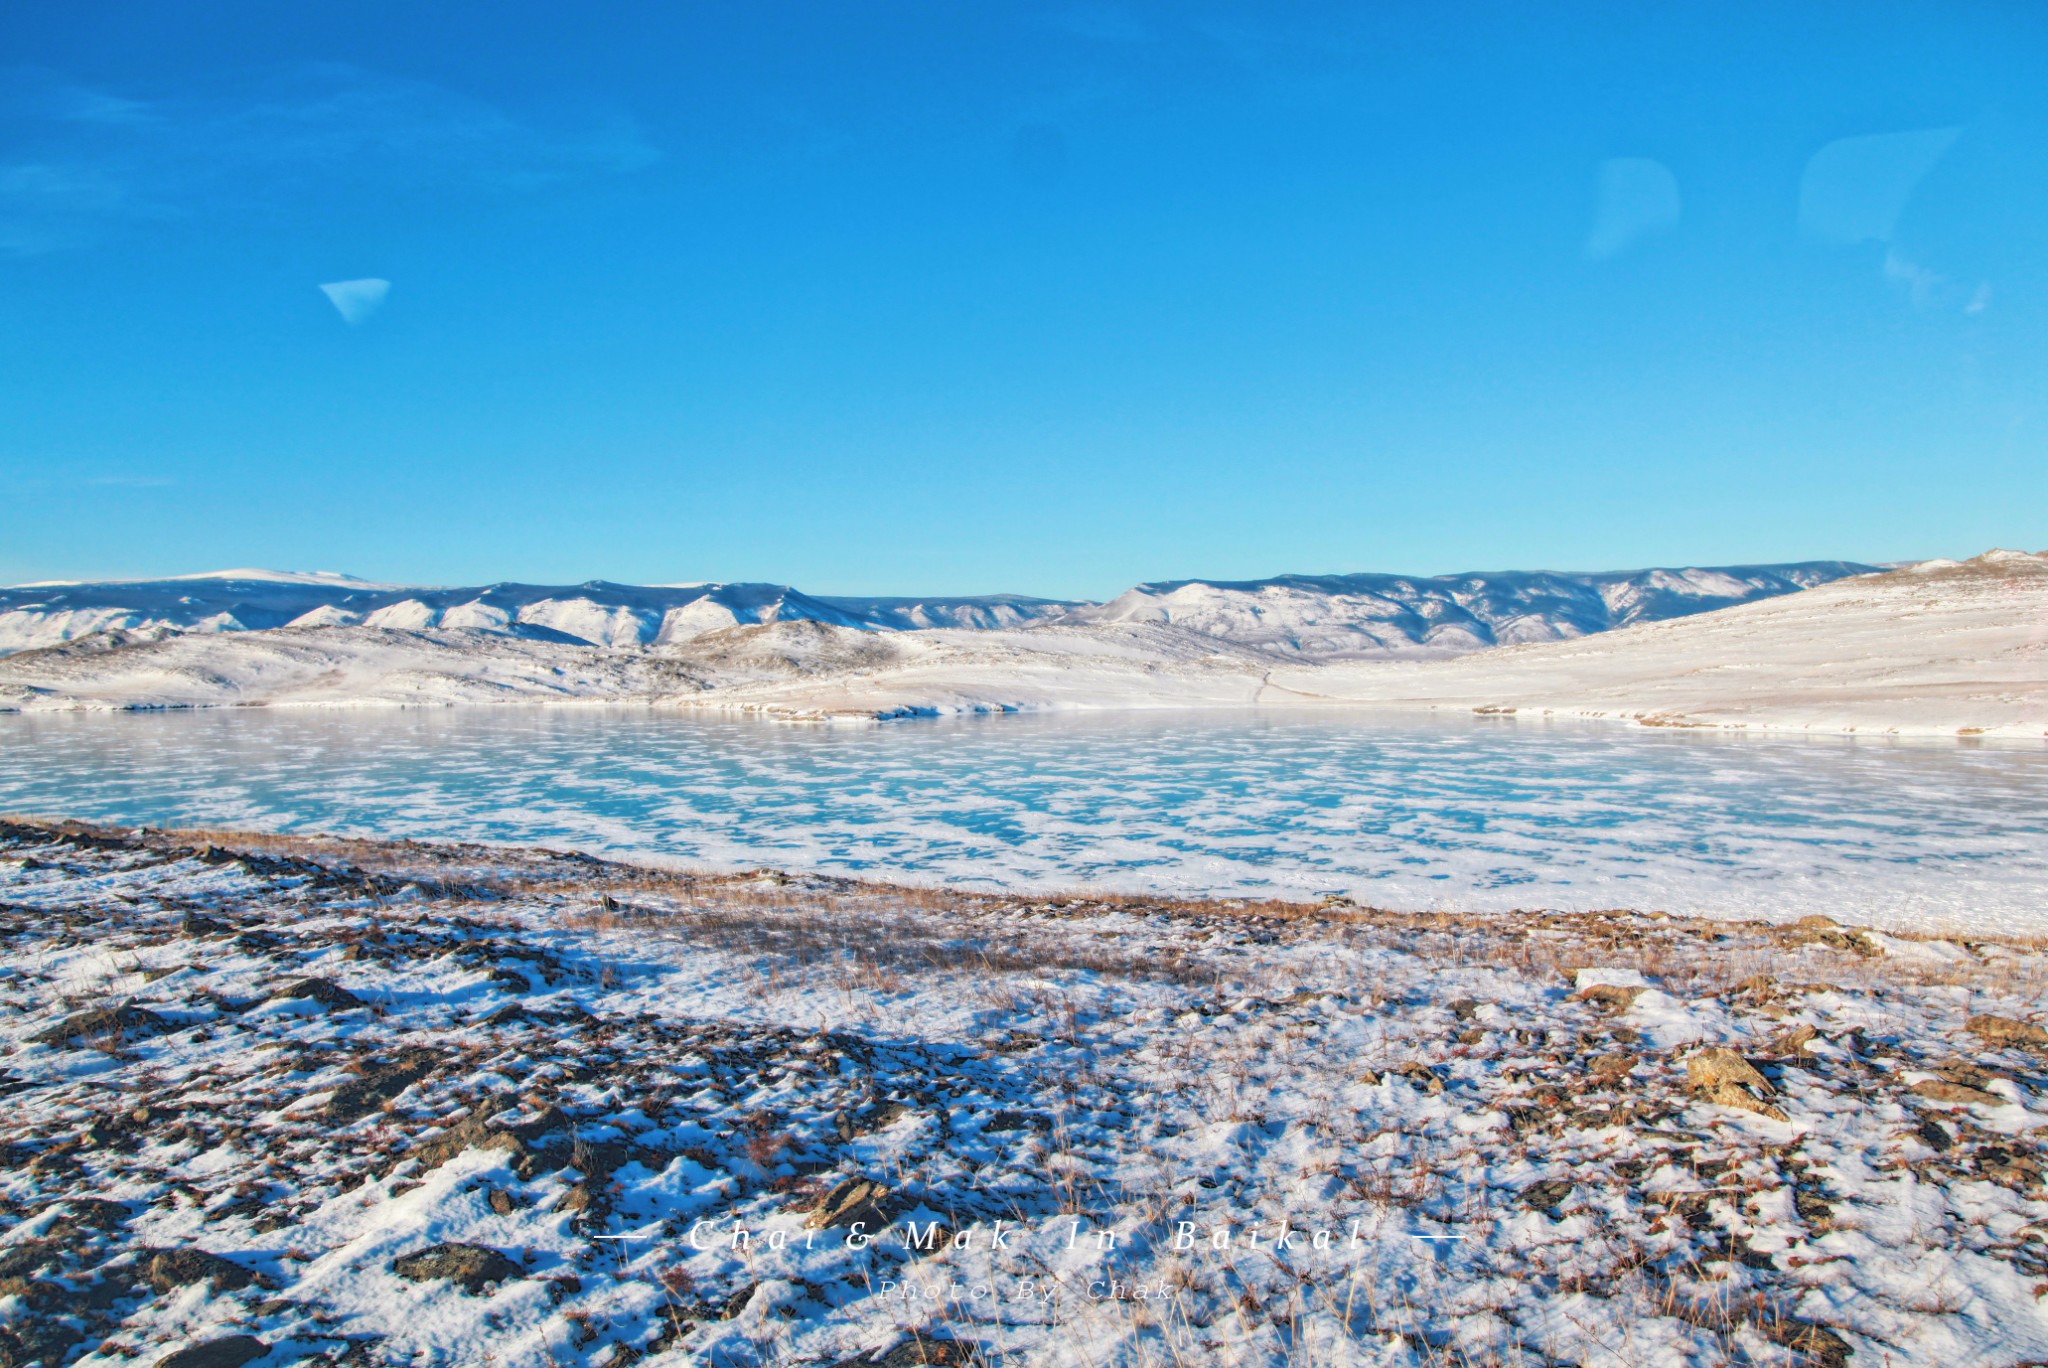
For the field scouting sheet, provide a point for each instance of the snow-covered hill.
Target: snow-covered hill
(1940, 648)
(1328, 617)
(941, 669)
(1336, 617)
(594, 614)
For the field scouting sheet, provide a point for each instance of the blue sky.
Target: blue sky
(959, 298)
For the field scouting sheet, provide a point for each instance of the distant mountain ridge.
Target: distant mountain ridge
(597, 613)
(1352, 616)
(1323, 617)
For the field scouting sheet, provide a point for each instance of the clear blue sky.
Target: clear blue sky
(960, 297)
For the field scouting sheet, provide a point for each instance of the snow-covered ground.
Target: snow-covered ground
(1942, 648)
(277, 1101)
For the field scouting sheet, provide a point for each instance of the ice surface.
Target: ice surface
(1402, 811)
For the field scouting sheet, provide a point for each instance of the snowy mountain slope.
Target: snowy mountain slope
(1355, 616)
(1941, 647)
(726, 667)
(1333, 617)
(597, 613)
(330, 578)
(1104, 665)
(325, 665)
(986, 612)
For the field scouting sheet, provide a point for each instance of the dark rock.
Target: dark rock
(38, 1341)
(1813, 1209)
(229, 1351)
(1956, 1094)
(170, 1269)
(1817, 1344)
(20, 1260)
(34, 1293)
(126, 1022)
(1422, 1076)
(97, 1214)
(1614, 997)
(2000, 1030)
(1725, 1078)
(1793, 1041)
(1545, 1195)
(1820, 930)
(2003, 1165)
(1715, 1065)
(580, 1198)
(379, 1084)
(737, 1302)
(472, 1132)
(919, 1351)
(1934, 1135)
(471, 1267)
(323, 991)
(551, 1119)
(849, 1201)
(1612, 1065)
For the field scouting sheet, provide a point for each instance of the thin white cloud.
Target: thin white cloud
(1854, 192)
(1920, 284)
(1098, 24)
(356, 300)
(84, 159)
(1635, 196)
(40, 201)
(1854, 189)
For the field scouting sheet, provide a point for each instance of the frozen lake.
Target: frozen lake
(1399, 811)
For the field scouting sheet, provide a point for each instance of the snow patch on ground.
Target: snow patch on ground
(294, 1089)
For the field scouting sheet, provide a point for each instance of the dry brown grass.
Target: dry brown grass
(867, 944)
(870, 929)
